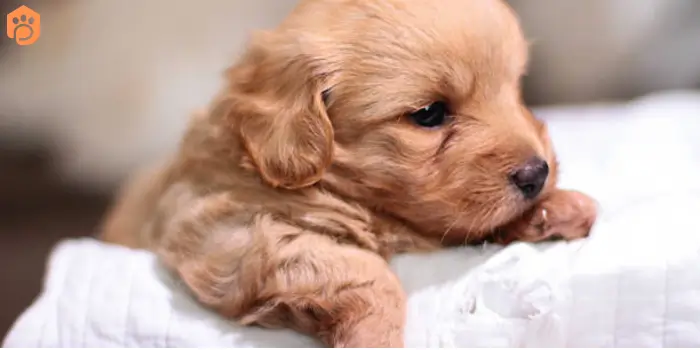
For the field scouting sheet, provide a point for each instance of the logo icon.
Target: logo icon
(23, 25)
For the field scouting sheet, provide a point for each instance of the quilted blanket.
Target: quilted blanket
(634, 283)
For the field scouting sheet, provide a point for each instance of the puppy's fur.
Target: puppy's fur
(287, 196)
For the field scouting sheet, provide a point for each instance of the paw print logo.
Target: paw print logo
(23, 25)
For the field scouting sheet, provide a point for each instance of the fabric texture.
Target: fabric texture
(633, 283)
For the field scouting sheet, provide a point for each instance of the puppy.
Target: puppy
(354, 131)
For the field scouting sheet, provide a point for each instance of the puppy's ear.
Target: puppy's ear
(279, 113)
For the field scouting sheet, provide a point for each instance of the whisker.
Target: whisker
(468, 235)
(495, 206)
(459, 217)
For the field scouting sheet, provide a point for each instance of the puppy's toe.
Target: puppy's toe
(562, 214)
(567, 214)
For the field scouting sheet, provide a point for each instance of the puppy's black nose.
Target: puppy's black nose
(530, 177)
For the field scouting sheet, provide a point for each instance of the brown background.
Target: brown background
(35, 212)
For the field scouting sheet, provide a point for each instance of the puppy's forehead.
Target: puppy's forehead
(441, 42)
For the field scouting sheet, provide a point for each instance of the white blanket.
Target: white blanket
(634, 283)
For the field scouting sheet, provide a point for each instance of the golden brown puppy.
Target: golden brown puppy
(355, 130)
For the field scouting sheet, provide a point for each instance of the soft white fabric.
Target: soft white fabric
(635, 282)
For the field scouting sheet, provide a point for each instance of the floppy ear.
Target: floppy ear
(279, 113)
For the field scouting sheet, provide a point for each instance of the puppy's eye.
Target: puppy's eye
(431, 116)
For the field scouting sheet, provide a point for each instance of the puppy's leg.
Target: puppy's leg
(564, 214)
(262, 271)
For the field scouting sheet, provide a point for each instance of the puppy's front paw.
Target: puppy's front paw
(562, 214)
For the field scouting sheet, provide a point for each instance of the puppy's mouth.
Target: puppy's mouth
(509, 205)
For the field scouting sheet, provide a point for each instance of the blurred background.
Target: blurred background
(110, 83)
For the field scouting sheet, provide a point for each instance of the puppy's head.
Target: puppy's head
(412, 108)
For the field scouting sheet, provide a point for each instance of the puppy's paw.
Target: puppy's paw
(562, 214)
